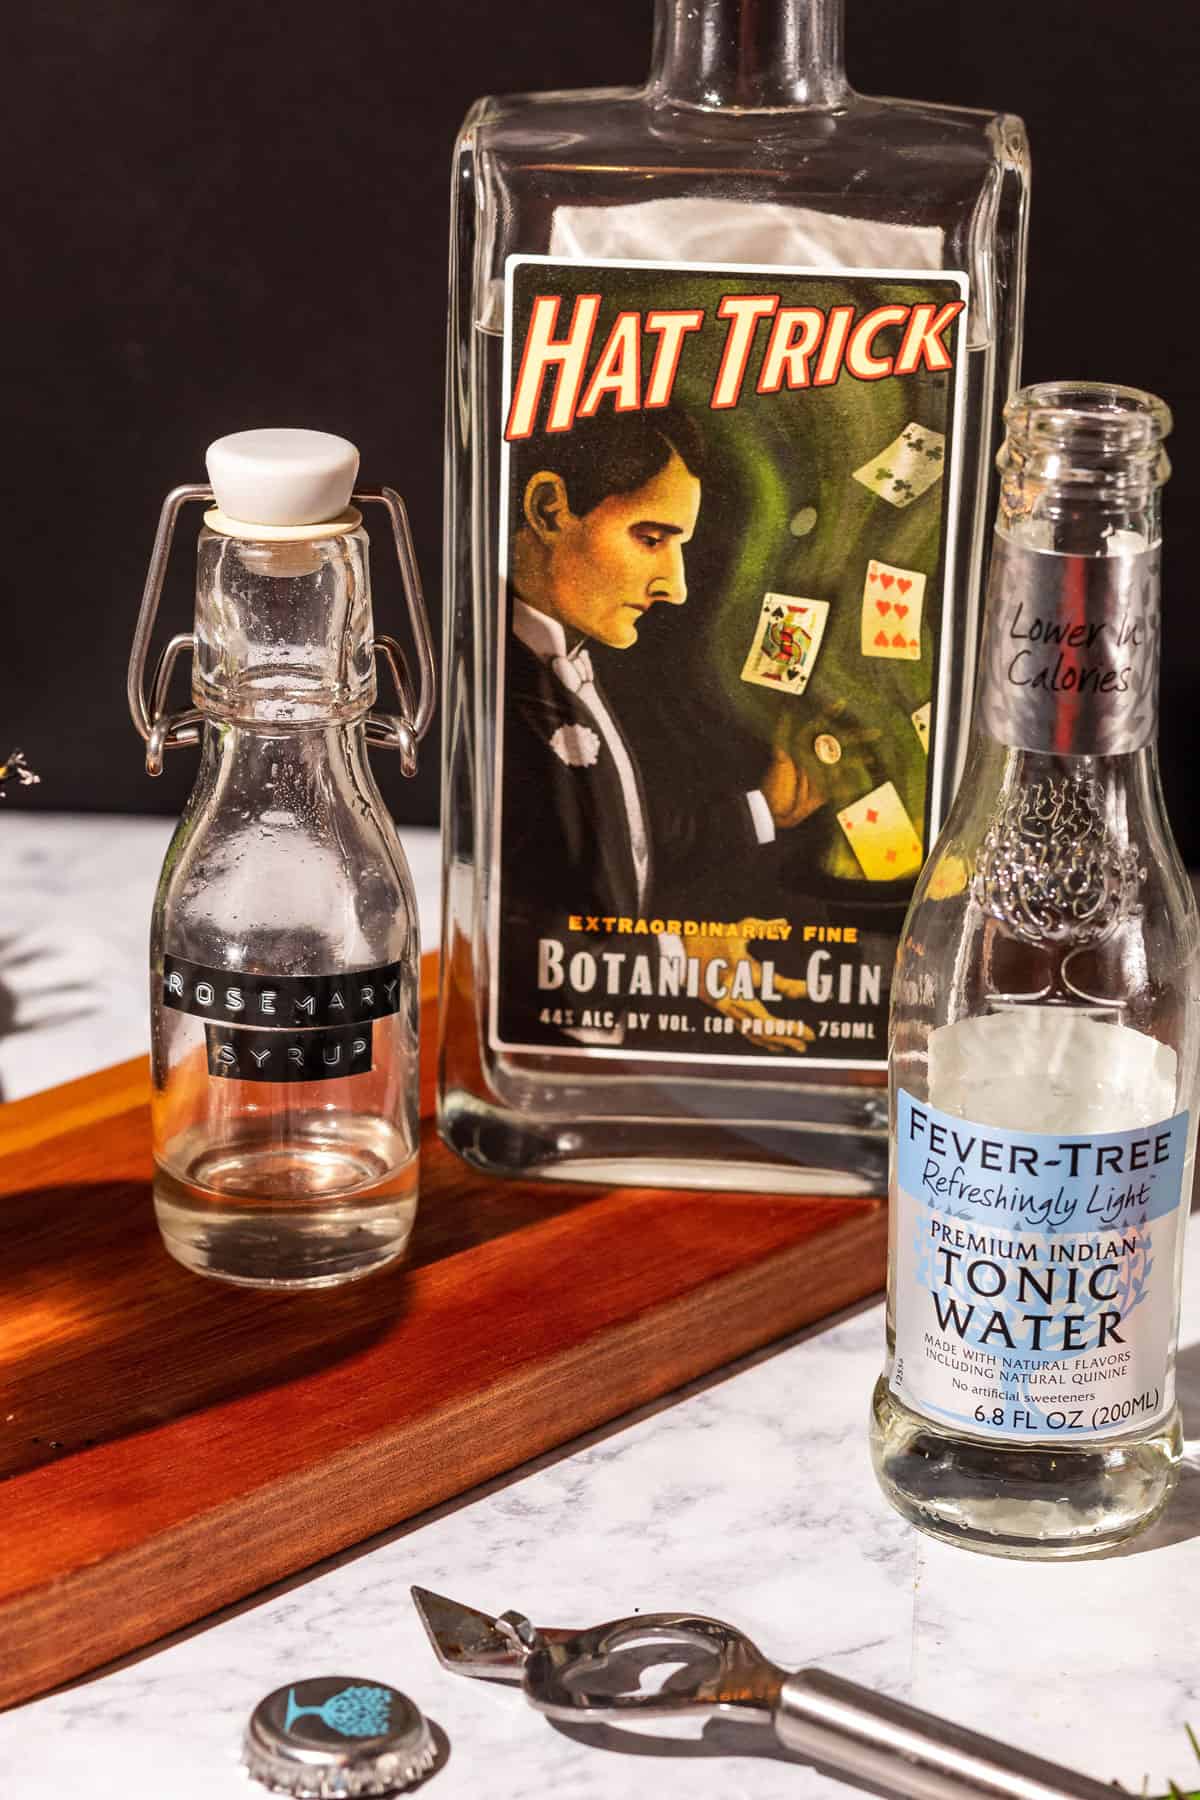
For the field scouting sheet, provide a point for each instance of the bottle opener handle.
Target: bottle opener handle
(901, 1750)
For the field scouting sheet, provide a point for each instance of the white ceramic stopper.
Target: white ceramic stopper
(281, 476)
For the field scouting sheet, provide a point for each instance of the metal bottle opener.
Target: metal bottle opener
(594, 1677)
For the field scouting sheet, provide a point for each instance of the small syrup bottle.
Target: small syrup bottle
(285, 953)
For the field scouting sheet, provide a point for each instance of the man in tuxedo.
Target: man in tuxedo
(602, 516)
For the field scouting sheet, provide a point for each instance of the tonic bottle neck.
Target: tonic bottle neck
(748, 55)
(1071, 635)
(1070, 659)
(1082, 469)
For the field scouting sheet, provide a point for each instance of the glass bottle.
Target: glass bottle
(686, 362)
(1044, 1034)
(284, 945)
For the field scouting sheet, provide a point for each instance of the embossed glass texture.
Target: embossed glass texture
(1051, 869)
(747, 145)
(1054, 894)
(285, 865)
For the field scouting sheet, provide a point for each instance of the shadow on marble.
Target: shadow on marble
(57, 1003)
(724, 1738)
(441, 1748)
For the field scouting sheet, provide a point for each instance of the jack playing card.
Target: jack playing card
(891, 611)
(907, 467)
(787, 637)
(920, 720)
(881, 835)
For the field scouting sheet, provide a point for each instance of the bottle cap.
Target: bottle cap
(281, 476)
(338, 1735)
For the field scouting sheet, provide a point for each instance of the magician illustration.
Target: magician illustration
(721, 605)
(607, 513)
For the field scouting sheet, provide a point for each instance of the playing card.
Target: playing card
(920, 720)
(787, 637)
(881, 835)
(891, 611)
(906, 467)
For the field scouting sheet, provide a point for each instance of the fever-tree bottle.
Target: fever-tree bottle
(737, 339)
(1045, 1027)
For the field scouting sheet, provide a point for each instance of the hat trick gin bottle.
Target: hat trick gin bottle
(284, 944)
(726, 360)
(1045, 1028)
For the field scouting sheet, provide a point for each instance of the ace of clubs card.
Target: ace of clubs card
(907, 467)
(787, 637)
(892, 600)
(881, 835)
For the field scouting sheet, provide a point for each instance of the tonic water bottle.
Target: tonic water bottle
(1044, 1034)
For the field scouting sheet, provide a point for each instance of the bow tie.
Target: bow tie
(574, 671)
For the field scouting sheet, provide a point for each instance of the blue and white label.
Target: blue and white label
(1036, 1275)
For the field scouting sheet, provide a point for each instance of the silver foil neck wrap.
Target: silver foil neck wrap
(1071, 651)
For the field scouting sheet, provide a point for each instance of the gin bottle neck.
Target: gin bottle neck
(748, 55)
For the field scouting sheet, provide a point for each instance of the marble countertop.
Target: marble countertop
(748, 1496)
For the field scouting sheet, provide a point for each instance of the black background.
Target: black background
(230, 215)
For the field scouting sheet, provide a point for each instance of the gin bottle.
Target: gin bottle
(726, 359)
(284, 957)
(1044, 1034)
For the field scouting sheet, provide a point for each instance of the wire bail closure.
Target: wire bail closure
(163, 730)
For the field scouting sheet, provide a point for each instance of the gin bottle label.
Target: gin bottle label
(708, 817)
(1036, 1274)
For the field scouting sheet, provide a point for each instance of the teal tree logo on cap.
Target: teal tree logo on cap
(357, 1712)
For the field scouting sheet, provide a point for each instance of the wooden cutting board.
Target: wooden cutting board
(169, 1445)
